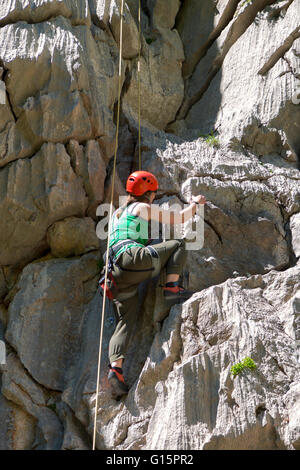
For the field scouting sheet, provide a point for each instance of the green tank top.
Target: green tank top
(128, 226)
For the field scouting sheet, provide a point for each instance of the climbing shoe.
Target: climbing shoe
(174, 293)
(117, 382)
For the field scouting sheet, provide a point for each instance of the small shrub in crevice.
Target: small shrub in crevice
(246, 363)
(211, 139)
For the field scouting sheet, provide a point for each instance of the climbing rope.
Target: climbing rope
(109, 224)
(113, 185)
(139, 84)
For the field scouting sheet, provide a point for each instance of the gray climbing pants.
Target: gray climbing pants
(132, 267)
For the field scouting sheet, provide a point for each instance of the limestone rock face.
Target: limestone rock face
(241, 70)
(295, 229)
(89, 164)
(58, 100)
(161, 84)
(130, 31)
(220, 108)
(51, 365)
(13, 11)
(72, 236)
(35, 192)
(186, 395)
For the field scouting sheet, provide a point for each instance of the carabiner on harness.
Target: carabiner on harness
(111, 285)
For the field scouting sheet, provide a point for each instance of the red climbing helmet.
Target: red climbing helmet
(141, 181)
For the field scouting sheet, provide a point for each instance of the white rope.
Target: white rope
(109, 225)
(139, 84)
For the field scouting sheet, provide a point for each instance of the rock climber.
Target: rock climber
(133, 261)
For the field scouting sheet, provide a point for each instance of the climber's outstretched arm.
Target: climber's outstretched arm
(155, 212)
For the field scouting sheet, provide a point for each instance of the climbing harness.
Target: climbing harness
(110, 289)
(108, 282)
(111, 286)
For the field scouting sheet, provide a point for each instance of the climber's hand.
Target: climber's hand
(198, 199)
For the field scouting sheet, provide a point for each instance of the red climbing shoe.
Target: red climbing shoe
(174, 293)
(117, 382)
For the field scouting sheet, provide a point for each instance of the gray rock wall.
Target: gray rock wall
(220, 116)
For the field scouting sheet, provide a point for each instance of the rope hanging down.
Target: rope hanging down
(139, 84)
(109, 224)
(112, 192)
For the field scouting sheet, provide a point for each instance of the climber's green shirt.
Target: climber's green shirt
(128, 226)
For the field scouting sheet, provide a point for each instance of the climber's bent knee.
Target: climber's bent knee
(115, 357)
(156, 264)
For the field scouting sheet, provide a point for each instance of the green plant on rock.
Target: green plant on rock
(210, 139)
(245, 363)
